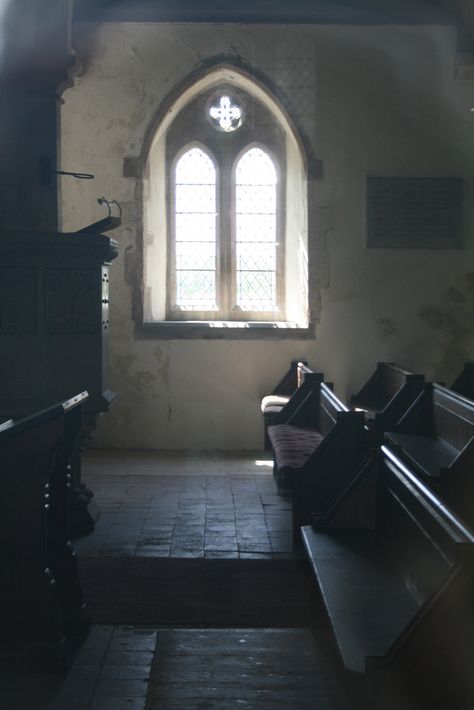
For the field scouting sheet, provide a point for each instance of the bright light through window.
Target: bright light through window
(226, 114)
(195, 231)
(256, 244)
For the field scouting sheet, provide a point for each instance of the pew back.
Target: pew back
(290, 380)
(464, 383)
(453, 417)
(386, 396)
(436, 437)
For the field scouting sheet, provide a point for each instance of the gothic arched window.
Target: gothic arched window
(225, 251)
(225, 213)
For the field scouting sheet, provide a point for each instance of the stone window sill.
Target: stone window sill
(225, 330)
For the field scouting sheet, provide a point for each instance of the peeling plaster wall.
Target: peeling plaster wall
(372, 101)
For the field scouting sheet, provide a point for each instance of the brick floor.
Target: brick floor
(186, 505)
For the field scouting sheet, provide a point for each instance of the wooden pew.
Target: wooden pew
(41, 597)
(318, 449)
(272, 404)
(398, 591)
(436, 438)
(385, 397)
(464, 382)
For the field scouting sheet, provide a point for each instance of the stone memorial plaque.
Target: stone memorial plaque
(416, 213)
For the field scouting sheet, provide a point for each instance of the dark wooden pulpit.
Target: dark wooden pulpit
(54, 321)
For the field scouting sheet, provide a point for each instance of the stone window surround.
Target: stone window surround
(212, 72)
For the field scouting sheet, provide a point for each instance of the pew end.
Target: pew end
(398, 594)
(273, 404)
(385, 397)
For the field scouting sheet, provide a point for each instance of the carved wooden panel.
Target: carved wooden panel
(72, 304)
(17, 301)
(422, 213)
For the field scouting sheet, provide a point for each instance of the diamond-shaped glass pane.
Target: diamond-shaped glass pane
(195, 256)
(256, 199)
(252, 227)
(195, 227)
(255, 290)
(256, 257)
(255, 168)
(196, 289)
(195, 168)
(196, 198)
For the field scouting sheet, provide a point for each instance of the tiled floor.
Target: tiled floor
(183, 505)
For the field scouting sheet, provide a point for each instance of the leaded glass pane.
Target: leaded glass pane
(195, 227)
(196, 290)
(195, 199)
(195, 231)
(256, 168)
(195, 255)
(248, 225)
(256, 289)
(255, 193)
(256, 199)
(195, 168)
(256, 257)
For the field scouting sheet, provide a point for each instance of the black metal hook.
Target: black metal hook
(104, 201)
(79, 176)
(46, 171)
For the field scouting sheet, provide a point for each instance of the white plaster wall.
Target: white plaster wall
(373, 100)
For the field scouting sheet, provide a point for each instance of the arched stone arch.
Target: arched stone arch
(298, 162)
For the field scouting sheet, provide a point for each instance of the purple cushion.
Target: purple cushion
(293, 445)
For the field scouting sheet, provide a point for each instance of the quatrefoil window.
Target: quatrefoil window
(226, 114)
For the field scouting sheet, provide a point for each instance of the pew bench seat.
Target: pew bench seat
(293, 445)
(426, 454)
(367, 602)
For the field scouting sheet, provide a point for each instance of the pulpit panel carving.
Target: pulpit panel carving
(72, 301)
(17, 301)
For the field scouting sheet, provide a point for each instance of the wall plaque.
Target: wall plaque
(417, 213)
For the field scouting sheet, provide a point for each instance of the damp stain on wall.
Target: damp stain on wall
(133, 385)
(162, 358)
(387, 327)
(434, 317)
(452, 323)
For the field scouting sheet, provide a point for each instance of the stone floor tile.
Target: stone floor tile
(179, 552)
(221, 554)
(153, 551)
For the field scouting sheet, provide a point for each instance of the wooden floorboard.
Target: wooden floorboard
(255, 669)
